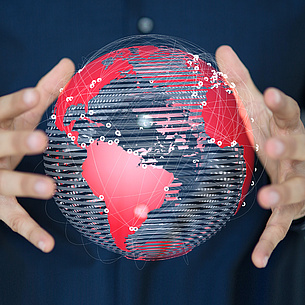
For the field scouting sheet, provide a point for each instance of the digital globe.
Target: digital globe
(150, 148)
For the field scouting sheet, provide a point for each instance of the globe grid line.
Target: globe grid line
(205, 195)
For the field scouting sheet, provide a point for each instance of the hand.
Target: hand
(20, 114)
(279, 133)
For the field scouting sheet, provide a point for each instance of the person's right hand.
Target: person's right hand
(20, 112)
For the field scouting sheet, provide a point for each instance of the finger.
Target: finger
(291, 147)
(276, 229)
(17, 103)
(285, 110)
(52, 82)
(229, 63)
(289, 192)
(20, 221)
(25, 185)
(22, 142)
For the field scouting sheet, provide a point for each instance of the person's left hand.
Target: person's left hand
(280, 136)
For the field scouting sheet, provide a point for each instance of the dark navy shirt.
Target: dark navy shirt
(269, 36)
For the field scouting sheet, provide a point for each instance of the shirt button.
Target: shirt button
(145, 25)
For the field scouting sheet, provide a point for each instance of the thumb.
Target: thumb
(48, 88)
(229, 63)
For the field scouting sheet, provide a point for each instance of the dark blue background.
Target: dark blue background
(269, 37)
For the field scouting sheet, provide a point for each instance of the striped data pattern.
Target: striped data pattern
(139, 113)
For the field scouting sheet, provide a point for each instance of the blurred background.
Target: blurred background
(269, 37)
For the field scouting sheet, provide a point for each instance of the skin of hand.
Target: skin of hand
(20, 113)
(279, 134)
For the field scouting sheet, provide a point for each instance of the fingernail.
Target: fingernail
(29, 97)
(41, 187)
(265, 261)
(42, 246)
(33, 141)
(273, 197)
(277, 96)
(279, 147)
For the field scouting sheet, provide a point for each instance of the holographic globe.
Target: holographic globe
(149, 148)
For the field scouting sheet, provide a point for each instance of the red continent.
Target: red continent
(129, 190)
